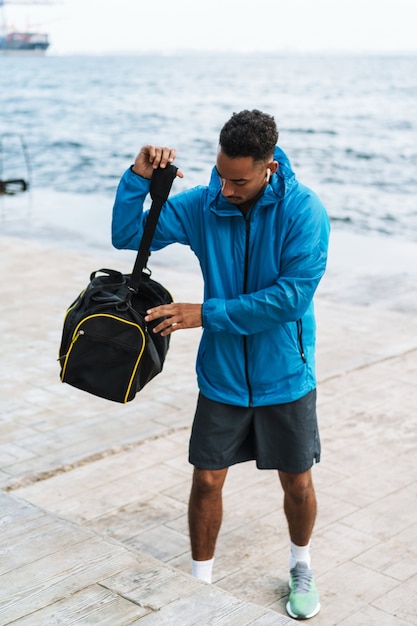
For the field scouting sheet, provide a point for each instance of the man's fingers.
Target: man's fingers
(161, 156)
(151, 157)
(177, 316)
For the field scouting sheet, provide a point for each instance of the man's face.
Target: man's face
(242, 178)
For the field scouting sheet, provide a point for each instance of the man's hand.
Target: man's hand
(152, 157)
(178, 316)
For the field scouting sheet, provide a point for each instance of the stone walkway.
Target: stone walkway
(94, 494)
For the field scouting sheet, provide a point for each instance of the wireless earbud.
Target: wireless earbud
(268, 175)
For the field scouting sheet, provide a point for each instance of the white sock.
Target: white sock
(300, 553)
(202, 569)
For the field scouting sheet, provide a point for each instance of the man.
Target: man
(261, 239)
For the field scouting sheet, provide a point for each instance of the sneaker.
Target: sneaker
(303, 601)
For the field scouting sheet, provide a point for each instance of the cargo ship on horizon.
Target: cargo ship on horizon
(16, 42)
(21, 40)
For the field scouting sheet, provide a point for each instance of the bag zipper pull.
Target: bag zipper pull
(79, 333)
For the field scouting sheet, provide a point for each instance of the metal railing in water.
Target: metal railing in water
(14, 184)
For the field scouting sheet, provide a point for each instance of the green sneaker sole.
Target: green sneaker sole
(295, 616)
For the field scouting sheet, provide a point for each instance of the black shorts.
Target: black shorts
(282, 436)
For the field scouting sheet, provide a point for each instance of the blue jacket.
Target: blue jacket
(260, 273)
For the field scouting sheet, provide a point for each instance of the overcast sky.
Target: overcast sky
(103, 26)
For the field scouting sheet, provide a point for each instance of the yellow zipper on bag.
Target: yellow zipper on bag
(74, 304)
(67, 312)
(77, 332)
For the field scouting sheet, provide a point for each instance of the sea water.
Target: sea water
(73, 124)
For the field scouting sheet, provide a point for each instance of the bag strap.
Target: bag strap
(161, 183)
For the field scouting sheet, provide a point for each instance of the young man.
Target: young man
(261, 239)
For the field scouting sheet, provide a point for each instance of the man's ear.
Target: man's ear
(273, 166)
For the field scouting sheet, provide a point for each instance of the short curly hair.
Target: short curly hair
(249, 133)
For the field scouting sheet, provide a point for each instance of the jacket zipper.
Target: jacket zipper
(245, 339)
(300, 339)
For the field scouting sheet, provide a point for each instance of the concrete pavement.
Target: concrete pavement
(94, 494)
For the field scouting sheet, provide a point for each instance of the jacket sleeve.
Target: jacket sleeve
(129, 217)
(303, 263)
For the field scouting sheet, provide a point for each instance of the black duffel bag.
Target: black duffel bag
(107, 349)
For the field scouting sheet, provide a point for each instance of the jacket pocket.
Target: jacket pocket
(300, 339)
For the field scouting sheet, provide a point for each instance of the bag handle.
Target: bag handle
(161, 183)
